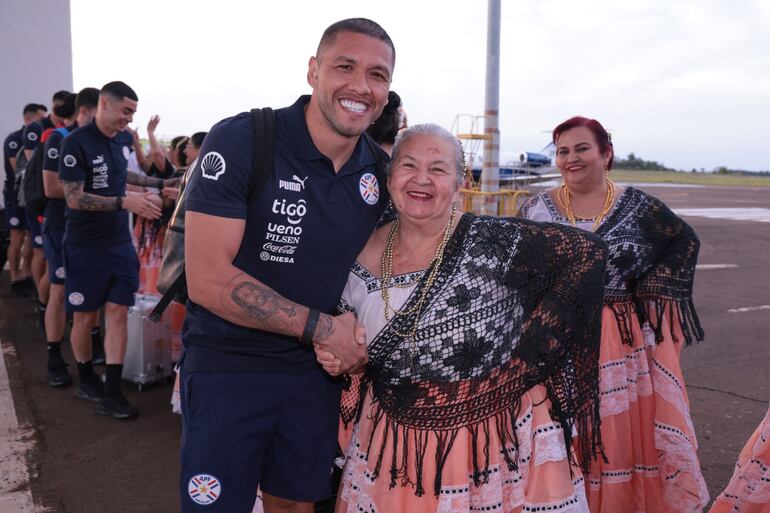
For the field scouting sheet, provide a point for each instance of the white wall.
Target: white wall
(35, 58)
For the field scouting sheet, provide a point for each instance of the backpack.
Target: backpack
(21, 167)
(32, 183)
(172, 282)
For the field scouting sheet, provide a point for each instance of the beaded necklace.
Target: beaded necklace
(386, 268)
(564, 199)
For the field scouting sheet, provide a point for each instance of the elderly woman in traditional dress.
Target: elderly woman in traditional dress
(648, 316)
(483, 352)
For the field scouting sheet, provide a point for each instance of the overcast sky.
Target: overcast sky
(683, 82)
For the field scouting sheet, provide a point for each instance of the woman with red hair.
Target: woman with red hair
(649, 441)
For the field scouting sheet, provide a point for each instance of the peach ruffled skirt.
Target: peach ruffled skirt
(646, 428)
(544, 481)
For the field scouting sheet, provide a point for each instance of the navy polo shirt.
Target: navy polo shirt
(34, 131)
(54, 209)
(11, 147)
(89, 156)
(303, 233)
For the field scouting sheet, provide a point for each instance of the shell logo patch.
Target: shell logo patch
(369, 188)
(213, 165)
(70, 160)
(38, 239)
(13, 145)
(204, 489)
(76, 298)
(60, 273)
(32, 136)
(14, 221)
(53, 153)
(126, 152)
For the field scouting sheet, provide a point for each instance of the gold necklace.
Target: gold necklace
(564, 199)
(386, 268)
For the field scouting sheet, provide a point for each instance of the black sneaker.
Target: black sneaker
(97, 350)
(58, 376)
(91, 390)
(117, 407)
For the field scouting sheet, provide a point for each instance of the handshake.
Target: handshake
(340, 344)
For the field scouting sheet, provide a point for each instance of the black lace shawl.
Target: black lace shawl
(651, 263)
(515, 304)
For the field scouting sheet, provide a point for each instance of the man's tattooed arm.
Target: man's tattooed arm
(77, 199)
(264, 308)
(143, 180)
(150, 181)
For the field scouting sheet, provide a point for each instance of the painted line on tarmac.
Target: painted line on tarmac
(761, 215)
(14, 486)
(749, 309)
(708, 267)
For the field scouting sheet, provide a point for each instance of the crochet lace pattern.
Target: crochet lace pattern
(650, 266)
(515, 303)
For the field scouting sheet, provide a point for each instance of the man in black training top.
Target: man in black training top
(264, 277)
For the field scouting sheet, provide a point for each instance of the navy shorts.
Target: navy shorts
(35, 228)
(14, 214)
(52, 247)
(97, 275)
(241, 430)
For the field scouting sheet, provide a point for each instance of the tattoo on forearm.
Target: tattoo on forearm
(261, 303)
(143, 180)
(78, 199)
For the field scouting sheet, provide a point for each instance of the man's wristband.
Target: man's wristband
(309, 331)
(119, 203)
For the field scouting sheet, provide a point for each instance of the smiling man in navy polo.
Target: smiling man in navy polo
(100, 261)
(265, 274)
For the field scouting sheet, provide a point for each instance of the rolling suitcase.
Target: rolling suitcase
(148, 352)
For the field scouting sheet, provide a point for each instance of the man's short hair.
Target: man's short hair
(87, 97)
(66, 107)
(31, 108)
(357, 26)
(118, 90)
(60, 96)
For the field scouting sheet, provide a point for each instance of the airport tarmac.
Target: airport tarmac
(75, 461)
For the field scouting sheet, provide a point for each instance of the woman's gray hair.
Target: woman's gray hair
(440, 132)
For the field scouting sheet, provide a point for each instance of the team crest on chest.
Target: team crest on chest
(369, 188)
(204, 489)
